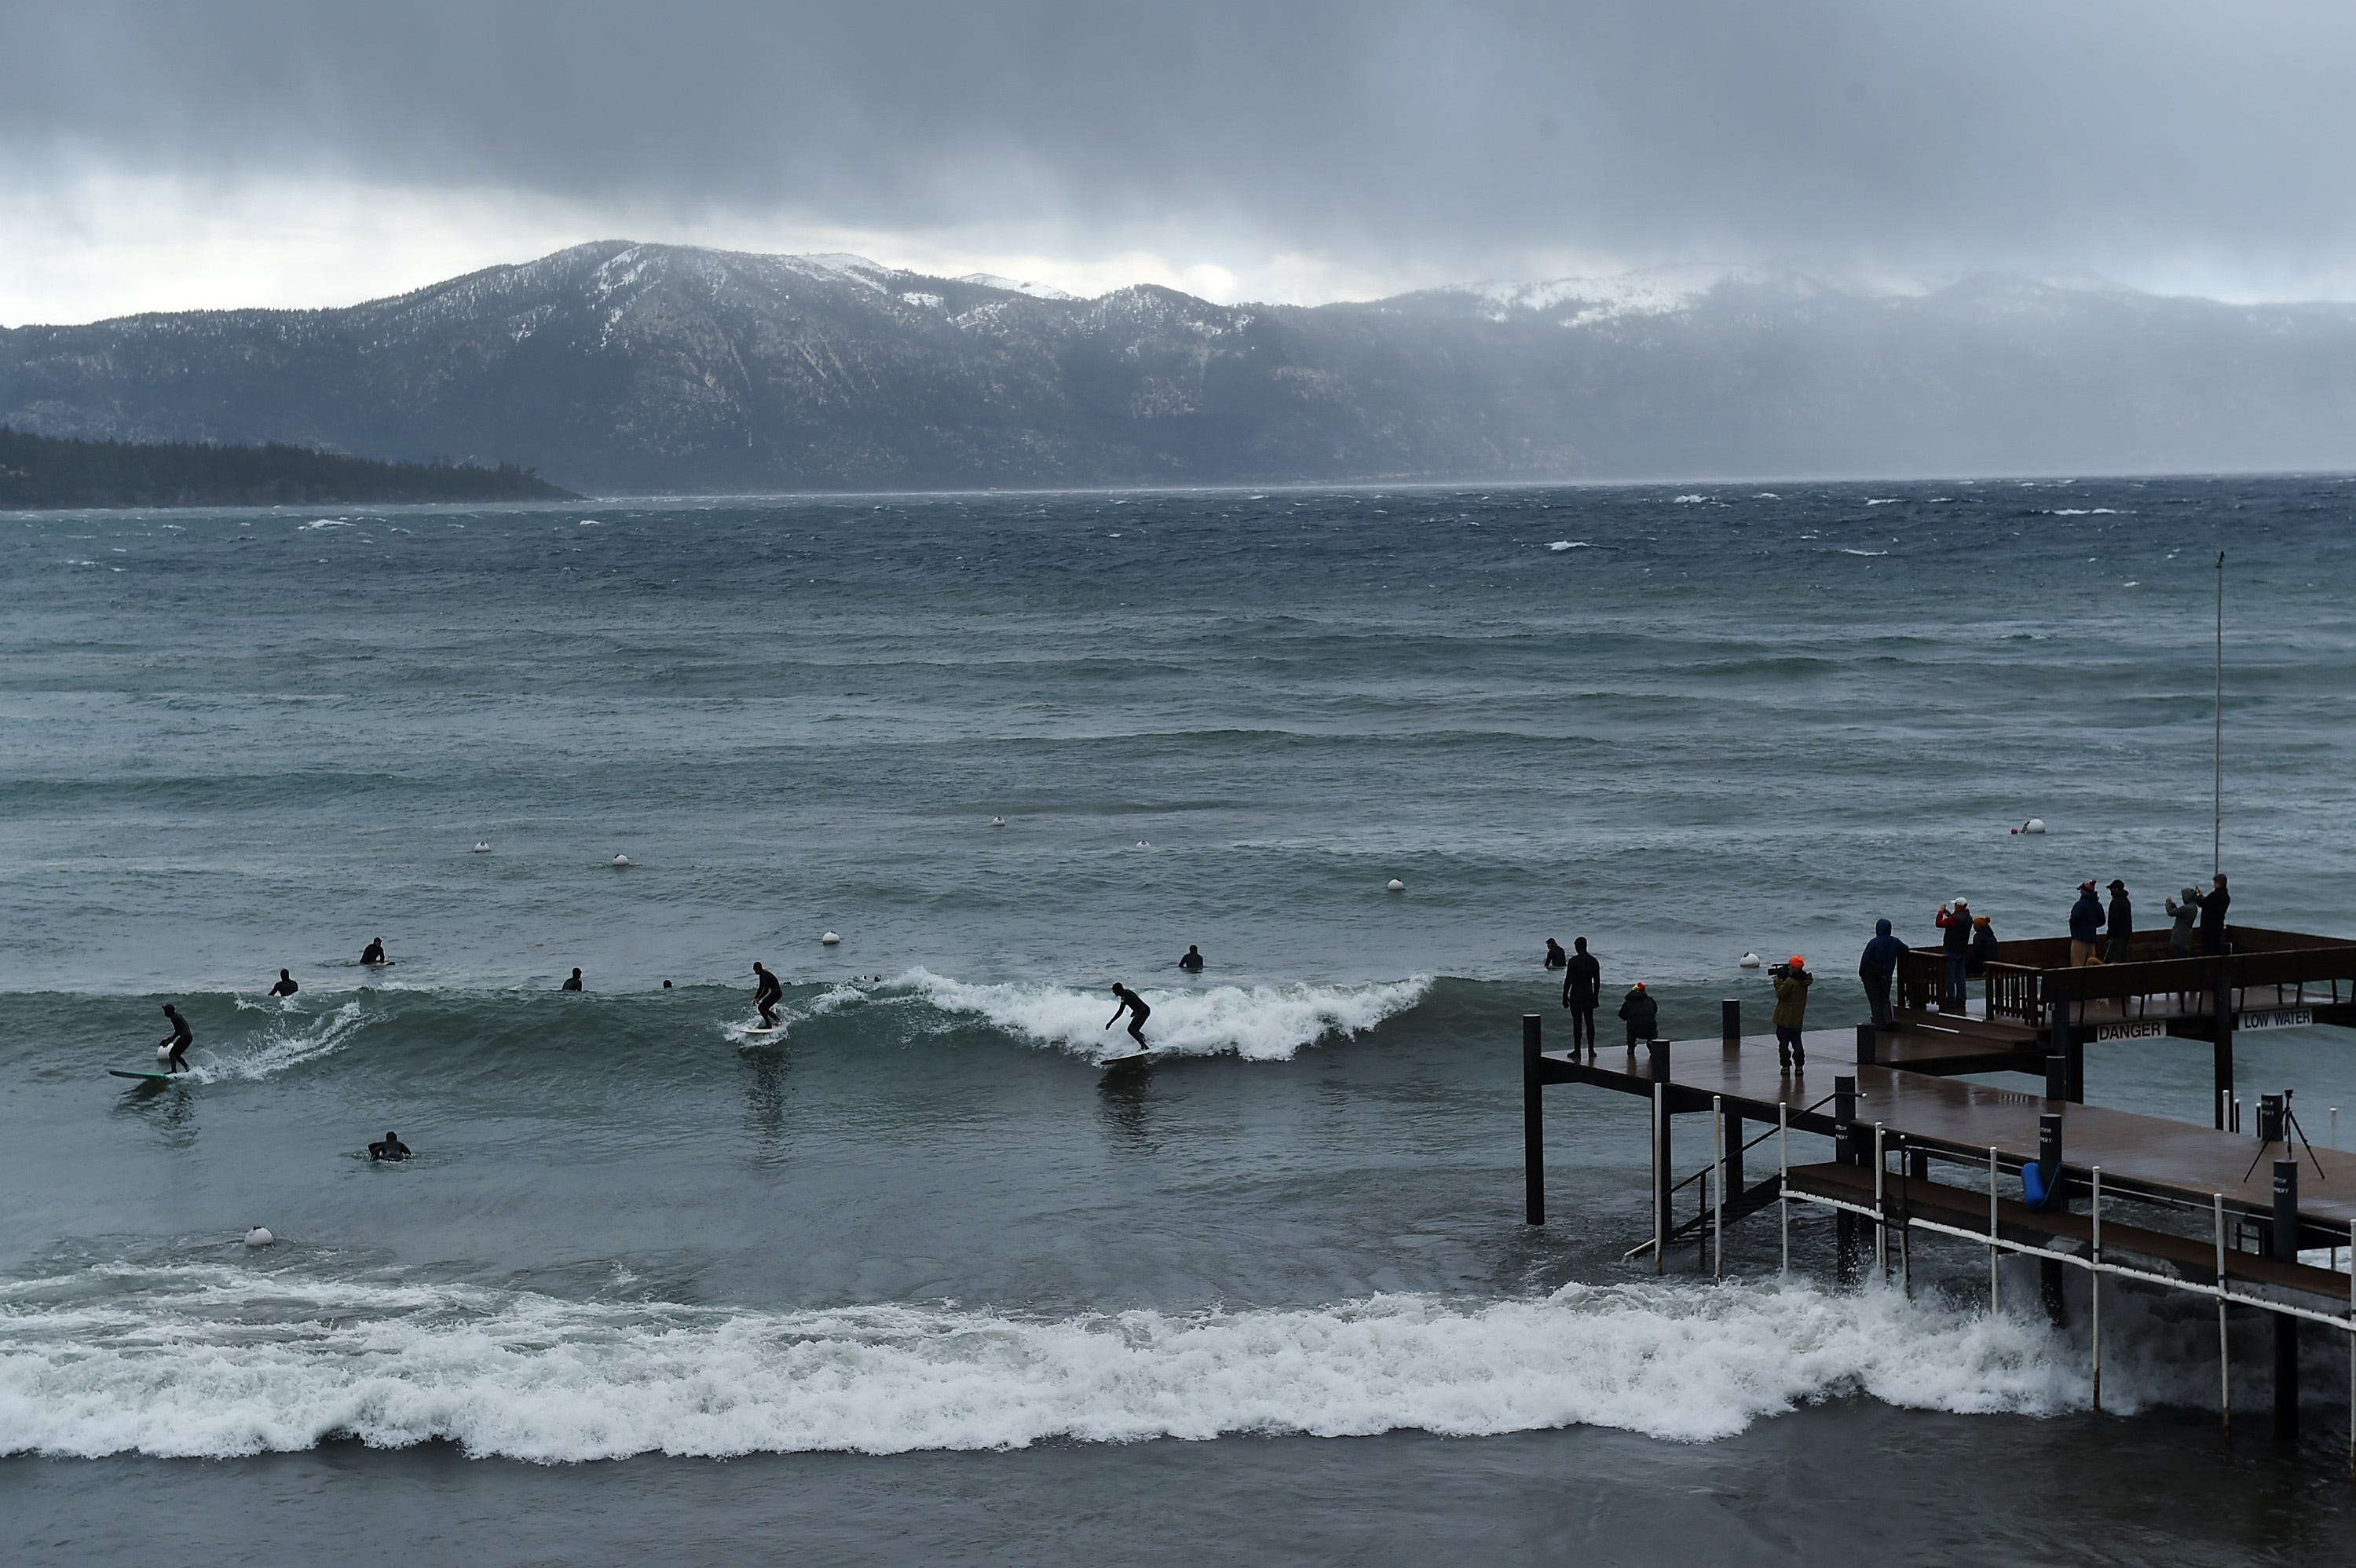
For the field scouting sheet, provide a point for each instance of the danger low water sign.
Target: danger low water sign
(2276, 1017)
(2140, 1029)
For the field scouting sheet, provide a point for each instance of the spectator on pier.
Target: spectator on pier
(1876, 968)
(2213, 905)
(1582, 992)
(1792, 982)
(2121, 930)
(1955, 920)
(1983, 949)
(2183, 911)
(2085, 926)
(1642, 1013)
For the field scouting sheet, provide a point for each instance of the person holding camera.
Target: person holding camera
(1954, 919)
(1792, 981)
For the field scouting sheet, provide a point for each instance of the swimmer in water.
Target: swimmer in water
(573, 984)
(178, 1039)
(373, 954)
(1134, 1006)
(765, 993)
(390, 1151)
(285, 986)
(1193, 962)
(1556, 956)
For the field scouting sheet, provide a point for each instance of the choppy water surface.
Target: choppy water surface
(939, 1287)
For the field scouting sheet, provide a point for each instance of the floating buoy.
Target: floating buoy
(482, 846)
(829, 940)
(259, 1237)
(998, 822)
(1143, 845)
(1395, 886)
(2034, 825)
(1750, 960)
(621, 860)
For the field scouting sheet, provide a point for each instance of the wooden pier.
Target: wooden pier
(2213, 1210)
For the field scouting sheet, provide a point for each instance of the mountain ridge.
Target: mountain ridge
(621, 366)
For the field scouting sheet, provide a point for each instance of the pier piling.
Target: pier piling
(2285, 1238)
(1533, 1126)
(1664, 1180)
(1729, 1024)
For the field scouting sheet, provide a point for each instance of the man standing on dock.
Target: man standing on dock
(1792, 981)
(1582, 992)
(1955, 920)
(2214, 905)
(2121, 929)
(1877, 969)
(2085, 925)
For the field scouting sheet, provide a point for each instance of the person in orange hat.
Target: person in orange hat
(1792, 981)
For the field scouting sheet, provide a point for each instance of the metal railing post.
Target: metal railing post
(1784, 1175)
(1717, 1187)
(2094, 1288)
(1880, 1212)
(2225, 1342)
(1995, 1300)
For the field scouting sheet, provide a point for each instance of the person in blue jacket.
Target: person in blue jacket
(1877, 969)
(2085, 926)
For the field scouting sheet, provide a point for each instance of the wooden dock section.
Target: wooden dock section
(2213, 1210)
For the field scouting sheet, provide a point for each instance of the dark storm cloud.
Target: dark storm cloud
(1891, 132)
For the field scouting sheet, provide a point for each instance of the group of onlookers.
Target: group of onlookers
(1967, 941)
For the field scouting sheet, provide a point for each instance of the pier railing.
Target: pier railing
(2034, 974)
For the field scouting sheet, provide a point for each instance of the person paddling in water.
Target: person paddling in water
(373, 954)
(1134, 1006)
(765, 992)
(178, 1039)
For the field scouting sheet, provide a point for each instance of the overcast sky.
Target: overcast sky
(171, 155)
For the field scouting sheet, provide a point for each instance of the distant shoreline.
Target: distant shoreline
(40, 473)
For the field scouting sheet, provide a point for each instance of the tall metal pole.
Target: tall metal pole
(2217, 813)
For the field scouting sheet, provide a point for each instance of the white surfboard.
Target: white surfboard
(1125, 1059)
(763, 1033)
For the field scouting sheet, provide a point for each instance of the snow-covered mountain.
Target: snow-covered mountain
(620, 367)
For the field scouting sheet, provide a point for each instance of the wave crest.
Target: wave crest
(1263, 1023)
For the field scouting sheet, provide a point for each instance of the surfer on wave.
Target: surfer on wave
(765, 993)
(1134, 1006)
(178, 1039)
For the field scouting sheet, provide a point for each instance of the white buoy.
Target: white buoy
(621, 860)
(2034, 825)
(1750, 960)
(998, 822)
(1143, 845)
(830, 939)
(259, 1237)
(163, 1053)
(1395, 886)
(482, 846)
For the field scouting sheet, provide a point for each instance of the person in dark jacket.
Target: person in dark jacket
(2182, 917)
(2085, 925)
(1792, 982)
(2121, 929)
(1983, 949)
(2213, 905)
(1877, 969)
(1642, 1013)
(1582, 992)
(1955, 920)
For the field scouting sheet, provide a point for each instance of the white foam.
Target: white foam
(1845, 551)
(214, 1360)
(279, 1046)
(1569, 544)
(1264, 1023)
(1688, 500)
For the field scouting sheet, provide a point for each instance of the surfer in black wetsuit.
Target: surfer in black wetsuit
(390, 1151)
(1556, 956)
(573, 984)
(765, 993)
(373, 954)
(285, 986)
(1134, 1006)
(1192, 963)
(178, 1039)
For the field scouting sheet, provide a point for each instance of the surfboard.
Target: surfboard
(1124, 1060)
(763, 1033)
(151, 1077)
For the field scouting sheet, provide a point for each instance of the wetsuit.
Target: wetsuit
(1193, 962)
(1134, 1006)
(390, 1150)
(372, 953)
(764, 997)
(285, 986)
(1556, 956)
(573, 984)
(1582, 991)
(179, 1040)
